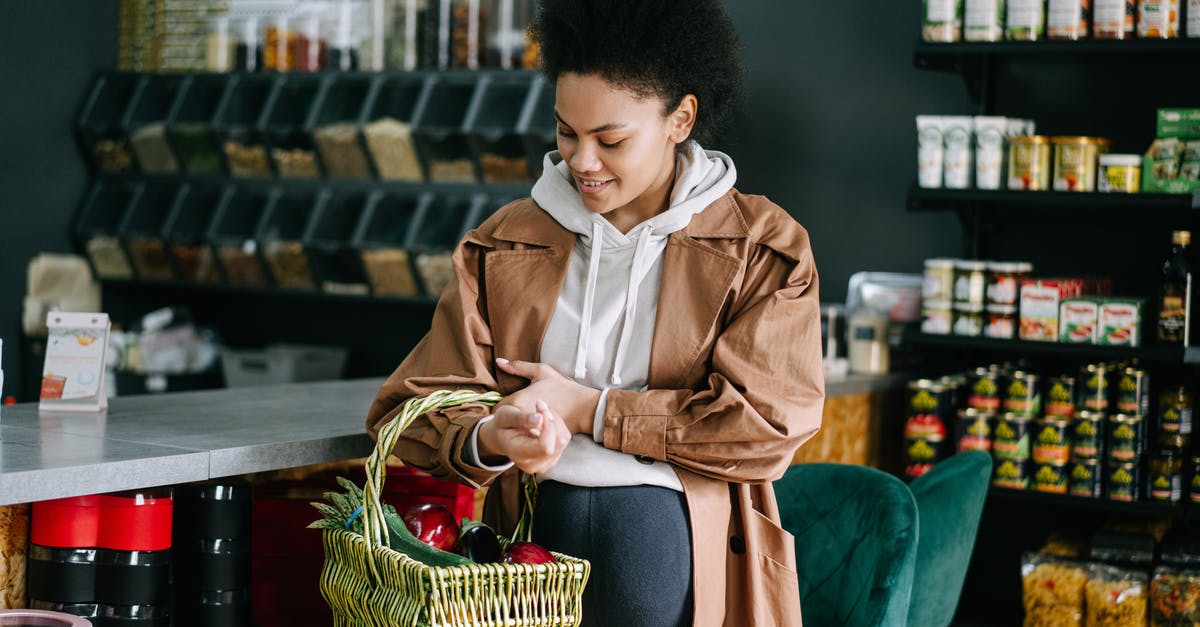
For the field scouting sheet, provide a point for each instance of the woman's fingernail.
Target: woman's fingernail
(542, 406)
(502, 361)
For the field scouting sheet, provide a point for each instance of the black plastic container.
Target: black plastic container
(281, 239)
(537, 126)
(132, 577)
(190, 125)
(438, 128)
(99, 127)
(387, 126)
(224, 608)
(293, 152)
(186, 232)
(146, 123)
(224, 564)
(329, 241)
(213, 510)
(132, 616)
(334, 125)
(440, 226)
(83, 610)
(385, 238)
(143, 231)
(61, 575)
(233, 235)
(237, 125)
(491, 126)
(98, 227)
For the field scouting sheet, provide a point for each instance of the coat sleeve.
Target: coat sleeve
(765, 388)
(456, 354)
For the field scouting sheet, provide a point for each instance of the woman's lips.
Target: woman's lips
(591, 186)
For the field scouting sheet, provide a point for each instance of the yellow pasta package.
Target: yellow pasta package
(1053, 590)
(1116, 597)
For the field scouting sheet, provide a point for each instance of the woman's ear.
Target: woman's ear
(683, 118)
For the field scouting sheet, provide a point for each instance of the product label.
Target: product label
(984, 20)
(1119, 324)
(1051, 444)
(1066, 16)
(936, 322)
(930, 152)
(984, 395)
(1166, 487)
(1025, 14)
(1077, 320)
(1011, 440)
(1132, 395)
(1124, 442)
(1193, 13)
(1059, 401)
(1011, 474)
(1122, 483)
(1109, 15)
(1039, 312)
(1000, 326)
(939, 11)
(1085, 438)
(1084, 479)
(1003, 291)
(958, 155)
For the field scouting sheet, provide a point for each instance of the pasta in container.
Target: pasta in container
(1053, 590)
(1116, 597)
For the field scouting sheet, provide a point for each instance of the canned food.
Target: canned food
(1029, 163)
(967, 321)
(1004, 282)
(1010, 440)
(1114, 19)
(970, 284)
(1121, 481)
(1050, 477)
(1000, 322)
(1075, 160)
(937, 321)
(1194, 481)
(1126, 437)
(1133, 392)
(1022, 395)
(1119, 173)
(1087, 434)
(1094, 389)
(955, 385)
(1060, 396)
(1052, 442)
(983, 390)
(926, 396)
(1166, 476)
(974, 430)
(1011, 473)
(1085, 478)
(1175, 409)
(938, 283)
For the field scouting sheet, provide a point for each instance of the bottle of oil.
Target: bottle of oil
(1174, 315)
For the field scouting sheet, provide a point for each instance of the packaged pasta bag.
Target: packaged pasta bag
(1116, 597)
(1053, 590)
(1175, 597)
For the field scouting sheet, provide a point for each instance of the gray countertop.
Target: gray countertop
(154, 440)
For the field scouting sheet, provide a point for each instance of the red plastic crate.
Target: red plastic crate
(286, 592)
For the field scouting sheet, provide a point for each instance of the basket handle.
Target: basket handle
(374, 527)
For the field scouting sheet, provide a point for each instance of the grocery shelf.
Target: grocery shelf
(1043, 499)
(272, 292)
(1150, 354)
(953, 56)
(498, 190)
(1182, 206)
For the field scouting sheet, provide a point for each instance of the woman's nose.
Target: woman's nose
(584, 159)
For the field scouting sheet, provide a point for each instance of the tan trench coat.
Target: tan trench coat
(735, 381)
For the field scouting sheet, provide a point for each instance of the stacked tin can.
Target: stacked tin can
(930, 406)
(212, 577)
(1017, 447)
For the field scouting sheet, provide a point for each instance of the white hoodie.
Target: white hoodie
(603, 323)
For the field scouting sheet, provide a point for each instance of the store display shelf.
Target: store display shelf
(1150, 354)
(510, 190)
(271, 292)
(951, 56)
(1042, 499)
(1179, 206)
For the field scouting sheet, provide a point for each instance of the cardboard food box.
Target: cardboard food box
(1040, 299)
(1172, 164)
(1120, 322)
(1078, 320)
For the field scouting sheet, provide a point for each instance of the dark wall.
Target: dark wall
(48, 51)
(829, 130)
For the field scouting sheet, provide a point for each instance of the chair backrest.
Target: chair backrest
(856, 543)
(949, 501)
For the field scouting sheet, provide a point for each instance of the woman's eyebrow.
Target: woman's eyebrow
(611, 126)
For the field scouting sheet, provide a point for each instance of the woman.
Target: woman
(656, 334)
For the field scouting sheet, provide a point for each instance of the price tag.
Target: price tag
(73, 374)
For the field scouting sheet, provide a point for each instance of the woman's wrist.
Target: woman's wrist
(486, 445)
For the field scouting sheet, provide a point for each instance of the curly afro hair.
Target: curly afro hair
(661, 48)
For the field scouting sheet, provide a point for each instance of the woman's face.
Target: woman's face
(620, 148)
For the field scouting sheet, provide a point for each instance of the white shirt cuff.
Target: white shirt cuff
(598, 420)
(471, 450)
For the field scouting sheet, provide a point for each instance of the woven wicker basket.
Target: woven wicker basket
(367, 583)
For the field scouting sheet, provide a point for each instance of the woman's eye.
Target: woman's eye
(565, 133)
(613, 144)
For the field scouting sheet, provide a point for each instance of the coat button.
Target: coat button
(644, 459)
(737, 545)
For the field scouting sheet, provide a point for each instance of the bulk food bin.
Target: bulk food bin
(97, 230)
(143, 230)
(146, 123)
(99, 127)
(293, 152)
(537, 127)
(438, 128)
(233, 235)
(186, 232)
(385, 237)
(333, 123)
(440, 226)
(190, 125)
(329, 241)
(281, 238)
(237, 128)
(491, 126)
(387, 126)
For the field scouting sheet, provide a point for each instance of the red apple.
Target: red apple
(432, 524)
(526, 553)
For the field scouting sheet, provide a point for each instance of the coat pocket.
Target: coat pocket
(776, 590)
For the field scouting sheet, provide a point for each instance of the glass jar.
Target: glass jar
(309, 48)
(943, 21)
(220, 45)
(248, 49)
(1158, 19)
(970, 284)
(1166, 476)
(938, 286)
(1067, 19)
(345, 39)
(984, 20)
(279, 44)
(1026, 20)
(1004, 282)
(1114, 19)
(468, 33)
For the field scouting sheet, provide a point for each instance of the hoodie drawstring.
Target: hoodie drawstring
(589, 300)
(631, 298)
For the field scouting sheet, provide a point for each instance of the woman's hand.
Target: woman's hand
(575, 403)
(532, 440)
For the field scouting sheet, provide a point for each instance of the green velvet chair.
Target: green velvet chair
(949, 502)
(856, 543)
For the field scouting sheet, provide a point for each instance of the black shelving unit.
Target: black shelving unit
(951, 56)
(1150, 355)
(1148, 509)
(283, 294)
(1176, 206)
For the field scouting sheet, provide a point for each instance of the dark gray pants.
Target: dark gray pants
(638, 541)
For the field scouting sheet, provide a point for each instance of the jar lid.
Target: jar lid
(942, 262)
(1029, 139)
(975, 414)
(1004, 266)
(1079, 139)
(1004, 310)
(926, 384)
(968, 308)
(1016, 417)
(963, 264)
(1024, 266)
(1121, 160)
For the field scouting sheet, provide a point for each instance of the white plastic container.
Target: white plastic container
(958, 159)
(930, 151)
(282, 363)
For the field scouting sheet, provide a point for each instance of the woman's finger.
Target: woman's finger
(524, 369)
